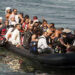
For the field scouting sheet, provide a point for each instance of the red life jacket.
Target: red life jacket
(3, 31)
(25, 25)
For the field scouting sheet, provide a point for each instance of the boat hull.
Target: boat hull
(48, 60)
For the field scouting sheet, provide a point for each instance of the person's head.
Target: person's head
(45, 23)
(26, 16)
(51, 25)
(18, 26)
(36, 24)
(30, 27)
(39, 32)
(21, 14)
(34, 28)
(6, 23)
(8, 10)
(35, 17)
(13, 18)
(34, 36)
(45, 33)
(15, 11)
(26, 19)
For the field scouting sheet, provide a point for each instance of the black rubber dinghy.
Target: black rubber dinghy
(59, 60)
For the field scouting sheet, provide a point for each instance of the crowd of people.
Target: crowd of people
(34, 35)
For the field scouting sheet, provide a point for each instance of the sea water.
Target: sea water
(60, 12)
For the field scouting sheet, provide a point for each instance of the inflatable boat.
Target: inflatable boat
(48, 60)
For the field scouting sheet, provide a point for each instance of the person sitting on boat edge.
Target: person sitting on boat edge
(15, 36)
(42, 44)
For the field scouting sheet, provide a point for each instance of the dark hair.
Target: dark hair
(22, 13)
(40, 22)
(52, 24)
(14, 9)
(64, 33)
(44, 20)
(10, 11)
(38, 31)
(35, 17)
(26, 16)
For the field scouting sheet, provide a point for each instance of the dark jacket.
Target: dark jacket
(27, 38)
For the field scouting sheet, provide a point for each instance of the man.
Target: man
(42, 44)
(16, 15)
(27, 37)
(7, 12)
(15, 36)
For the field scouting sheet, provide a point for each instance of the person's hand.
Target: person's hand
(18, 45)
(67, 46)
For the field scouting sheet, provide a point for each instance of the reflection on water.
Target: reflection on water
(13, 64)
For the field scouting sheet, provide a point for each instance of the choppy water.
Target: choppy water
(61, 12)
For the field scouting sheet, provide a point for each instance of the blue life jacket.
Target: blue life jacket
(33, 46)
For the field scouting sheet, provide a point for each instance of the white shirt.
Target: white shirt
(42, 44)
(15, 37)
(17, 18)
(12, 23)
(8, 32)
